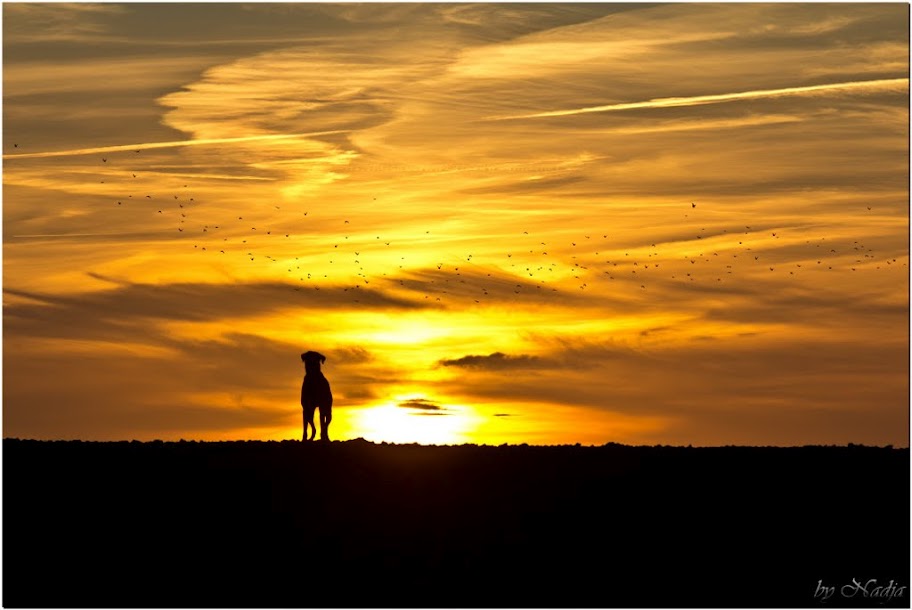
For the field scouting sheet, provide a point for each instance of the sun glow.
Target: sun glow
(397, 423)
(416, 330)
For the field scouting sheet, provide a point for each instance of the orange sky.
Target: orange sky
(542, 223)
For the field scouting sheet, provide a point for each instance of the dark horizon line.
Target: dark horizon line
(445, 445)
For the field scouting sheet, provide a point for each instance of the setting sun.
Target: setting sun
(414, 420)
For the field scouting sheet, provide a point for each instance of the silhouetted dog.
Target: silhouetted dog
(315, 393)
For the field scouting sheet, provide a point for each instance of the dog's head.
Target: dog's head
(312, 361)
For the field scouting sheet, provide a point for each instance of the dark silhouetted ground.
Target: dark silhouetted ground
(355, 524)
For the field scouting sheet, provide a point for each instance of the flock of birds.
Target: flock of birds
(582, 263)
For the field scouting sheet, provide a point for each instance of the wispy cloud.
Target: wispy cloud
(761, 379)
(58, 21)
(495, 361)
(128, 303)
(173, 144)
(422, 404)
(893, 85)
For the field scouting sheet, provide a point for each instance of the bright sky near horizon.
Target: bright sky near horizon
(544, 223)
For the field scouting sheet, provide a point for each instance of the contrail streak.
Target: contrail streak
(46, 235)
(148, 145)
(669, 102)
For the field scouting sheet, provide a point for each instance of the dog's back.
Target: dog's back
(315, 391)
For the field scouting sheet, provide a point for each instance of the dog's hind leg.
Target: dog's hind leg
(325, 418)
